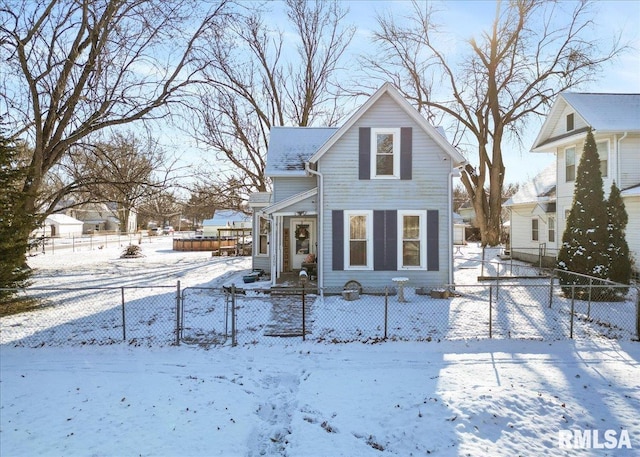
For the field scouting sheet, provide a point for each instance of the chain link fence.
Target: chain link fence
(537, 309)
(100, 316)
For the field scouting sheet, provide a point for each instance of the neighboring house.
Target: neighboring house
(533, 233)
(226, 219)
(102, 217)
(458, 229)
(371, 200)
(615, 121)
(59, 226)
(468, 213)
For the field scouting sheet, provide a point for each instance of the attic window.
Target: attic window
(385, 153)
(570, 125)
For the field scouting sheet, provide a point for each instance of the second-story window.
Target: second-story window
(603, 153)
(385, 154)
(570, 164)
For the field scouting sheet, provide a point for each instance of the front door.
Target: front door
(303, 241)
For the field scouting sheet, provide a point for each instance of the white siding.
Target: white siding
(560, 128)
(426, 191)
(629, 161)
(522, 246)
(632, 206)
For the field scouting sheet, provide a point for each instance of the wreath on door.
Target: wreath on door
(301, 232)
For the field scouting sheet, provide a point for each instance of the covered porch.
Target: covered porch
(294, 238)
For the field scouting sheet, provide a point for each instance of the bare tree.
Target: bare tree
(123, 170)
(258, 83)
(207, 197)
(161, 207)
(512, 71)
(75, 67)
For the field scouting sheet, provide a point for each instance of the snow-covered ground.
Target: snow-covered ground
(472, 396)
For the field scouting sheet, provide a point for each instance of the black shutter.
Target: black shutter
(406, 152)
(432, 241)
(364, 153)
(385, 240)
(337, 226)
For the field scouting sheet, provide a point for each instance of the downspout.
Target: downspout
(618, 178)
(320, 231)
(454, 173)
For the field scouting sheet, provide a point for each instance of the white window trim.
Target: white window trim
(258, 254)
(551, 228)
(369, 240)
(575, 163)
(538, 228)
(606, 140)
(423, 238)
(396, 152)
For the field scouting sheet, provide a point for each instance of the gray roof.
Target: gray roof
(607, 112)
(291, 147)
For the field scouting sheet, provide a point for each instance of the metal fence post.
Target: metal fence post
(386, 310)
(124, 325)
(178, 304)
(497, 282)
(304, 330)
(551, 289)
(589, 305)
(490, 311)
(638, 313)
(234, 341)
(573, 295)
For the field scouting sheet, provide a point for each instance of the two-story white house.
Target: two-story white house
(540, 209)
(370, 200)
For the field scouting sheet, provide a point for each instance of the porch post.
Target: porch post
(275, 249)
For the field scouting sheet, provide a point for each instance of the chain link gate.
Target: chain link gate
(205, 315)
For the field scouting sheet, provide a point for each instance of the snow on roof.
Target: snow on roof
(259, 198)
(223, 218)
(541, 188)
(607, 112)
(63, 219)
(291, 147)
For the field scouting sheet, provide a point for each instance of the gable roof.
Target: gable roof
(603, 112)
(291, 147)
(388, 88)
(541, 189)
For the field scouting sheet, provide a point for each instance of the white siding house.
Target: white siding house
(370, 200)
(615, 122)
(532, 216)
(60, 226)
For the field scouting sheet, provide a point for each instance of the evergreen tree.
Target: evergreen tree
(620, 261)
(585, 241)
(14, 271)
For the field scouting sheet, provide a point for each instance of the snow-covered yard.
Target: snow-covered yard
(446, 397)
